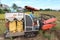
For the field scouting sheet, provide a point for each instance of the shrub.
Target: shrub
(1, 11)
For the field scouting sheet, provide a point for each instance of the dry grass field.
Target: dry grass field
(37, 13)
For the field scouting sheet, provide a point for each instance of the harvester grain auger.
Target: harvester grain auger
(19, 24)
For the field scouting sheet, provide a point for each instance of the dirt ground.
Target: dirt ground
(57, 33)
(38, 37)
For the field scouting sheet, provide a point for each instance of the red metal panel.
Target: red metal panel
(50, 20)
(30, 8)
(48, 26)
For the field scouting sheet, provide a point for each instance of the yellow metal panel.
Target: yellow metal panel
(19, 26)
(12, 26)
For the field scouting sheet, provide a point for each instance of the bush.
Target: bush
(6, 10)
(48, 9)
(1, 11)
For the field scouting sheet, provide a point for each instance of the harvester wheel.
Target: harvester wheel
(30, 34)
(27, 34)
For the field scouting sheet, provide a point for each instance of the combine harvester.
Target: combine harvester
(19, 24)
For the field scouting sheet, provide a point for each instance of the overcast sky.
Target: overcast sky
(53, 4)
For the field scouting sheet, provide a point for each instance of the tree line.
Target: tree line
(2, 11)
(14, 6)
(48, 9)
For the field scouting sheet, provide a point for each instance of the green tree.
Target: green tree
(41, 9)
(58, 10)
(14, 6)
(1, 11)
(48, 9)
(7, 10)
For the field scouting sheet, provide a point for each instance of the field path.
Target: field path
(38, 37)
